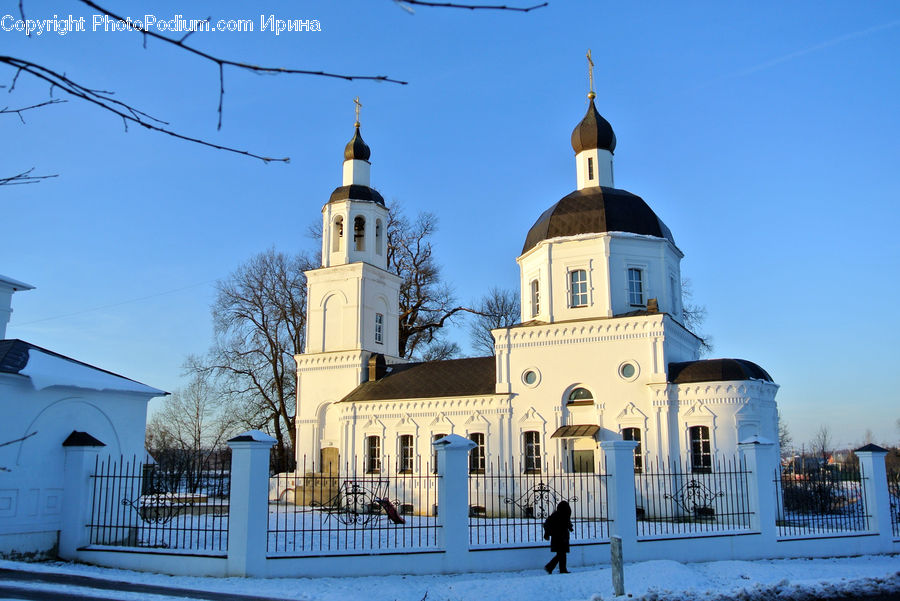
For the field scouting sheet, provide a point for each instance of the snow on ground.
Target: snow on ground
(661, 580)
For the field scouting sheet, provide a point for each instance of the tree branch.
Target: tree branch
(471, 6)
(8, 111)
(24, 178)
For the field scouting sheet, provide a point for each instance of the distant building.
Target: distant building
(48, 401)
(601, 351)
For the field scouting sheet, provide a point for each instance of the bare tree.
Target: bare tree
(784, 437)
(694, 315)
(426, 303)
(498, 308)
(188, 430)
(821, 443)
(259, 319)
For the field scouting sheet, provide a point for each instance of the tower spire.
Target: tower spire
(591, 94)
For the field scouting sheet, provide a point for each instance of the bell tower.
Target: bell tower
(353, 302)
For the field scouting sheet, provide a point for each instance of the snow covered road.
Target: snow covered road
(662, 580)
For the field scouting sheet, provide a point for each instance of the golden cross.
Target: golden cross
(358, 106)
(590, 73)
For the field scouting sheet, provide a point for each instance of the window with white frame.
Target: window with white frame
(578, 291)
(635, 435)
(406, 453)
(434, 455)
(531, 441)
(581, 396)
(476, 455)
(636, 286)
(373, 454)
(535, 298)
(590, 168)
(701, 450)
(379, 328)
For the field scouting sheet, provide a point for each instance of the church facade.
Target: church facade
(601, 352)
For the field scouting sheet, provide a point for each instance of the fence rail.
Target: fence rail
(508, 504)
(672, 499)
(824, 500)
(347, 509)
(894, 493)
(137, 504)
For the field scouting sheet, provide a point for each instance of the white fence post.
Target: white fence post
(81, 451)
(453, 499)
(620, 493)
(878, 498)
(248, 505)
(759, 458)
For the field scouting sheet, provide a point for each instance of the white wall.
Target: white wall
(31, 493)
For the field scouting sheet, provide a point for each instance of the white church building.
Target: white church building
(601, 352)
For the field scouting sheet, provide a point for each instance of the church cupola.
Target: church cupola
(355, 217)
(594, 142)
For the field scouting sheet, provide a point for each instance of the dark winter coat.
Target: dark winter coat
(557, 528)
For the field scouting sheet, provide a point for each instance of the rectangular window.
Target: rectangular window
(701, 455)
(406, 453)
(476, 455)
(578, 296)
(590, 168)
(532, 443)
(373, 454)
(535, 298)
(434, 456)
(635, 287)
(635, 435)
(379, 328)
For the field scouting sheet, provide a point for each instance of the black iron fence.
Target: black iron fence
(894, 493)
(820, 500)
(353, 507)
(148, 505)
(673, 499)
(509, 503)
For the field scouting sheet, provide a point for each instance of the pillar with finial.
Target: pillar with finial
(594, 142)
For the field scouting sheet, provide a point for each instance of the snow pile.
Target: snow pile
(49, 370)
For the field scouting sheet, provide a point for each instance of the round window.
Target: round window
(628, 371)
(531, 377)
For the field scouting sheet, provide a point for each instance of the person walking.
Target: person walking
(556, 529)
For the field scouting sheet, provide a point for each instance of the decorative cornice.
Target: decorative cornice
(584, 332)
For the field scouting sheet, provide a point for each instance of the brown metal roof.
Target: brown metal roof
(579, 431)
(596, 210)
(431, 379)
(356, 192)
(593, 132)
(356, 148)
(716, 370)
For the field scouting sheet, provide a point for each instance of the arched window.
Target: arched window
(701, 451)
(581, 396)
(359, 233)
(379, 237)
(531, 441)
(535, 298)
(337, 234)
(434, 453)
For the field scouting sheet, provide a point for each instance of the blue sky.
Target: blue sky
(764, 134)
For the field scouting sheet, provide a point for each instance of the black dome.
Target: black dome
(356, 148)
(593, 132)
(356, 192)
(716, 370)
(597, 210)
